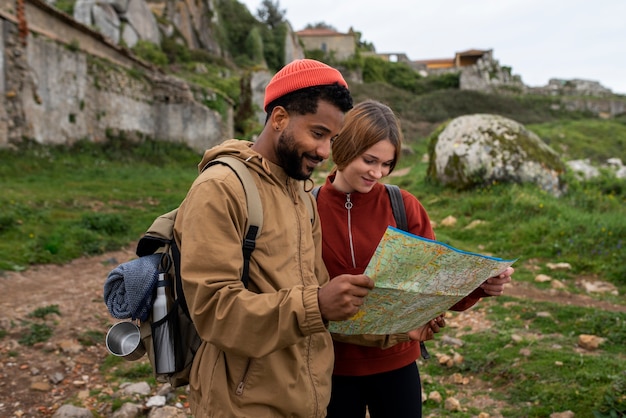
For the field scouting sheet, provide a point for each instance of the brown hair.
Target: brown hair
(366, 124)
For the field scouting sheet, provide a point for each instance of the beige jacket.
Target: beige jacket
(266, 351)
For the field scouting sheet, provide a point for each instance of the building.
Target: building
(341, 46)
(461, 59)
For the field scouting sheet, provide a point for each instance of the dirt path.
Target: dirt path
(37, 379)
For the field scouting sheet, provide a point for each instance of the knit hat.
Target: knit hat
(300, 74)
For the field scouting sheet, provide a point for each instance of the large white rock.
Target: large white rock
(481, 149)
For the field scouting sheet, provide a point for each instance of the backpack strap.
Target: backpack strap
(254, 223)
(397, 206)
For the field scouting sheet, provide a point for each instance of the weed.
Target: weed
(43, 312)
(37, 333)
(91, 338)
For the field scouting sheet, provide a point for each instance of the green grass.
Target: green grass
(597, 140)
(59, 203)
(542, 370)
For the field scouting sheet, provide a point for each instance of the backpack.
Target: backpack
(177, 327)
(399, 214)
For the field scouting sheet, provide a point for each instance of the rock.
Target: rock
(589, 342)
(128, 410)
(583, 169)
(565, 414)
(446, 339)
(155, 401)
(448, 221)
(141, 18)
(599, 287)
(559, 266)
(459, 379)
(435, 397)
(71, 411)
(82, 11)
(40, 386)
(475, 223)
(141, 388)
(166, 412)
(452, 404)
(70, 346)
(480, 149)
(541, 278)
(107, 21)
(446, 360)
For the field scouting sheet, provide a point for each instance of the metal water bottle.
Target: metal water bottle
(161, 338)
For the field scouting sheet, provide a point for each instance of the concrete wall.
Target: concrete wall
(69, 83)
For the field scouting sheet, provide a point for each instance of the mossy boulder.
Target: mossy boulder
(480, 149)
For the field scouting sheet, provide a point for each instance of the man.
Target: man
(266, 351)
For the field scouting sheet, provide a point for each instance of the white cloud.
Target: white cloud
(539, 39)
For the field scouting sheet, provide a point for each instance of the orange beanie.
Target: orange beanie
(300, 74)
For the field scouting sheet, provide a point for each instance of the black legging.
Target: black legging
(394, 394)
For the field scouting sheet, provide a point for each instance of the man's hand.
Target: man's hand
(494, 286)
(342, 297)
(428, 331)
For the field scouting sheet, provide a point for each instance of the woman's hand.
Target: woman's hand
(494, 286)
(428, 331)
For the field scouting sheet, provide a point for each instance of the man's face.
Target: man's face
(305, 143)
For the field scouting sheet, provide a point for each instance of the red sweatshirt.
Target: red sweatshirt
(349, 239)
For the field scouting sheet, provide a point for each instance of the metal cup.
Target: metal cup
(124, 340)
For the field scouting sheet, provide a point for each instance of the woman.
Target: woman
(375, 373)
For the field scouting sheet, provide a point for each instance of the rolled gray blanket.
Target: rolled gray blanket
(128, 290)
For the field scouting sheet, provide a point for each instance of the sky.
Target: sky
(539, 39)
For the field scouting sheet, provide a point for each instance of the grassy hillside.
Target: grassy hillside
(60, 203)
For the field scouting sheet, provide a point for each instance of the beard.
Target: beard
(290, 159)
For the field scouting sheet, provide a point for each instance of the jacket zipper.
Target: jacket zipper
(242, 382)
(348, 206)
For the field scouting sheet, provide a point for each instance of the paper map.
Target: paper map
(416, 280)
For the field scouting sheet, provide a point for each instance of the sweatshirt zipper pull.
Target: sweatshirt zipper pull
(348, 204)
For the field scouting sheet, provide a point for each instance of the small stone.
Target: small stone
(449, 221)
(559, 266)
(565, 414)
(541, 278)
(156, 401)
(452, 404)
(590, 342)
(435, 396)
(40, 386)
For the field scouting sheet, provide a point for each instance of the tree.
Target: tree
(271, 14)
(320, 25)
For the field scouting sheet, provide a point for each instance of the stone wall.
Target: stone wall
(65, 82)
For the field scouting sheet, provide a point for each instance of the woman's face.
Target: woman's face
(362, 173)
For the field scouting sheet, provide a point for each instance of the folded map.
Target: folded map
(416, 279)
